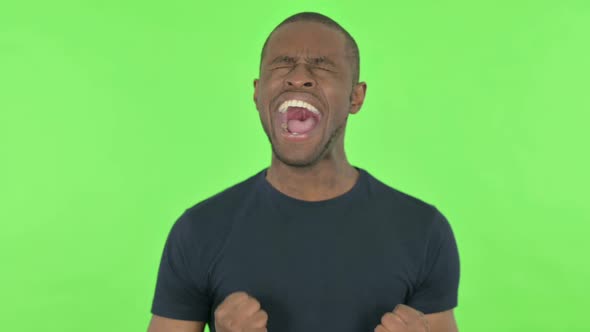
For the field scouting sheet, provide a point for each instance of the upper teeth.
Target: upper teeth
(297, 103)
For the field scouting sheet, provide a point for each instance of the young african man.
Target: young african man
(311, 243)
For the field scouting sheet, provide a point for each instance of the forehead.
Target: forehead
(306, 39)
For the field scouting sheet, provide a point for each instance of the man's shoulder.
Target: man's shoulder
(212, 217)
(226, 200)
(407, 211)
(393, 194)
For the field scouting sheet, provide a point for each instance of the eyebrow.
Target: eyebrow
(311, 60)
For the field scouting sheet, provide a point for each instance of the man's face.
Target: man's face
(305, 92)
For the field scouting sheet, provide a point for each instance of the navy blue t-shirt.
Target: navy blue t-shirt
(332, 265)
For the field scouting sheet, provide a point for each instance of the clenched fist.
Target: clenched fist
(403, 319)
(240, 312)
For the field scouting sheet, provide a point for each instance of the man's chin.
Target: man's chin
(296, 161)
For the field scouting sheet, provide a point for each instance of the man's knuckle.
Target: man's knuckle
(254, 304)
(387, 319)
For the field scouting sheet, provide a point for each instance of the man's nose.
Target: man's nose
(299, 77)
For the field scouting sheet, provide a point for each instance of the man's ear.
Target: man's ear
(255, 91)
(359, 91)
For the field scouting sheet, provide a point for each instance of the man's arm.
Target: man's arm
(407, 319)
(442, 321)
(180, 301)
(163, 324)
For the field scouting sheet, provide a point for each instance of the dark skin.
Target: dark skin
(317, 168)
(313, 64)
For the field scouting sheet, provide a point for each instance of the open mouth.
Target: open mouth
(298, 117)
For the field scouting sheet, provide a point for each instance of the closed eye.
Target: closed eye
(282, 67)
(323, 68)
(312, 67)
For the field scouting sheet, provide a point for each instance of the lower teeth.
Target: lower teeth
(286, 128)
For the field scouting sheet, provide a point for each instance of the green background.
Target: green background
(115, 116)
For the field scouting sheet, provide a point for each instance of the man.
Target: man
(311, 243)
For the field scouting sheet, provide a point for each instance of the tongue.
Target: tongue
(301, 127)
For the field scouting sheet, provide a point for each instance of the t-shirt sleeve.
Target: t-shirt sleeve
(180, 292)
(438, 284)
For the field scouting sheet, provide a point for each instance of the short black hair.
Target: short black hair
(323, 19)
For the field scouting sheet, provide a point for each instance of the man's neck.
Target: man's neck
(322, 181)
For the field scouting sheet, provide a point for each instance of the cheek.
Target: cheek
(339, 99)
(267, 90)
